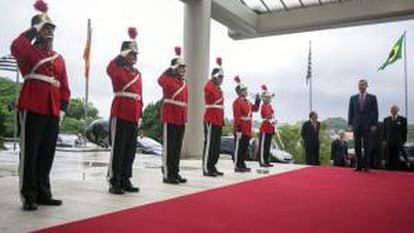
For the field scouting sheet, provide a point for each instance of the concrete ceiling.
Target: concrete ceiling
(259, 18)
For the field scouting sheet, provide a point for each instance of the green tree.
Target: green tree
(336, 123)
(76, 110)
(151, 124)
(325, 146)
(8, 90)
(290, 135)
(74, 121)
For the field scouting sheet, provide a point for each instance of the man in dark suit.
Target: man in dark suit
(395, 135)
(362, 120)
(339, 150)
(310, 136)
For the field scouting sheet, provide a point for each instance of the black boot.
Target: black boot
(128, 187)
(29, 206)
(181, 179)
(170, 181)
(49, 201)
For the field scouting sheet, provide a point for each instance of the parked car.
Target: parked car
(98, 133)
(66, 140)
(148, 145)
(277, 155)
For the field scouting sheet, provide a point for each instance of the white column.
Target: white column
(197, 55)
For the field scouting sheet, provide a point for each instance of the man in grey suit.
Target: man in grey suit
(362, 120)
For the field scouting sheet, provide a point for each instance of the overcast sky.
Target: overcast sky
(340, 56)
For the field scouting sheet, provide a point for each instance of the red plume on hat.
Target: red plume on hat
(219, 61)
(264, 87)
(177, 51)
(132, 32)
(41, 6)
(237, 79)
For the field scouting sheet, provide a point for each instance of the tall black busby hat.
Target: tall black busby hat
(42, 17)
(131, 45)
(218, 71)
(178, 60)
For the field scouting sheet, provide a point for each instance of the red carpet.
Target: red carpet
(316, 199)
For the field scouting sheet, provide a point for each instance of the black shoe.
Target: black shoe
(242, 169)
(218, 173)
(181, 179)
(170, 181)
(128, 187)
(211, 174)
(268, 165)
(29, 206)
(49, 201)
(357, 169)
(116, 190)
(364, 169)
(238, 169)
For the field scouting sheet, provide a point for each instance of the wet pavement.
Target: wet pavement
(79, 179)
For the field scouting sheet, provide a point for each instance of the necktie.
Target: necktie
(361, 102)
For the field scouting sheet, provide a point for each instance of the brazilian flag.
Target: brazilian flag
(395, 54)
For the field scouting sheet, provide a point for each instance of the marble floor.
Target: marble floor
(79, 179)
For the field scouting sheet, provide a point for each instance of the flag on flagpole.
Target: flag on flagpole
(309, 73)
(395, 54)
(87, 51)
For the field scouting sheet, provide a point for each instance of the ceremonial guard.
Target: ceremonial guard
(213, 120)
(242, 125)
(173, 117)
(42, 103)
(126, 111)
(267, 128)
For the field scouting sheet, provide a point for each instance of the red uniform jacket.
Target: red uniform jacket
(267, 116)
(214, 109)
(125, 108)
(175, 96)
(243, 116)
(39, 96)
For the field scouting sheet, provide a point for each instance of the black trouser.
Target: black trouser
(392, 157)
(38, 135)
(241, 144)
(312, 155)
(362, 140)
(124, 145)
(172, 141)
(212, 144)
(264, 148)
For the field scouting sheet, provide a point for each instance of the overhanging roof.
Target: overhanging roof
(259, 18)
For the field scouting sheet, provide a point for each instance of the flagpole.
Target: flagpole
(310, 95)
(310, 76)
(15, 110)
(87, 73)
(406, 79)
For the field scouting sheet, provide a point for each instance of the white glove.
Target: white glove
(61, 116)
